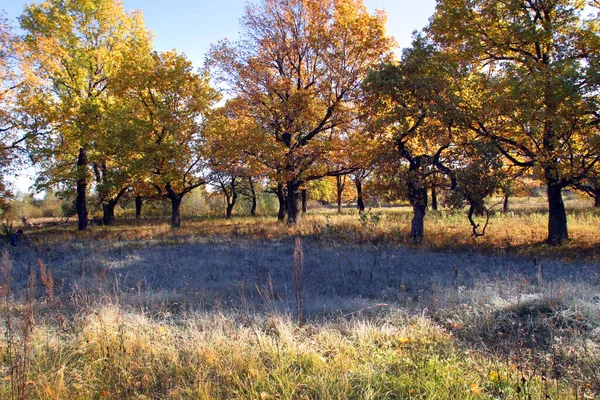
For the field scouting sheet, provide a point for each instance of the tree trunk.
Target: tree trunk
(108, 206)
(139, 202)
(253, 197)
(360, 203)
(81, 201)
(231, 200)
(417, 227)
(477, 205)
(175, 212)
(417, 195)
(340, 190)
(282, 202)
(505, 205)
(434, 199)
(304, 201)
(596, 196)
(557, 222)
(293, 202)
(108, 212)
(175, 206)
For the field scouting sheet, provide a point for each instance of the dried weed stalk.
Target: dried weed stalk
(298, 274)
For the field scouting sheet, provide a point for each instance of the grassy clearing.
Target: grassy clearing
(522, 231)
(139, 311)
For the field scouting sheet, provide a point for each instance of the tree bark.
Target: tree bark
(253, 197)
(417, 227)
(340, 190)
(231, 200)
(139, 202)
(505, 204)
(360, 202)
(596, 196)
(293, 202)
(175, 212)
(108, 212)
(417, 195)
(557, 222)
(434, 199)
(108, 207)
(282, 202)
(304, 209)
(175, 206)
(81, 201)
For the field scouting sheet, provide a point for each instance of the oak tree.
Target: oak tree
(532, 63)
(71, 52)
(412, 101)
(173, 104)
(298, 69)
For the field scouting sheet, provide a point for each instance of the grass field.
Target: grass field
(136, 310)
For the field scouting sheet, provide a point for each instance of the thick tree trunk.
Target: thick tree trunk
(417, 227)
(596, 196)
(139, 203)
(282, 202)
(108, 207)
(304, 209)
(505, 204)
(417, 195)
(293, 202)
(81, 201)
(434, 199)
(360, 202)
(175, 212)
(231, 201)
(557, 218)
(175, 206)
(557, 222)
(108, 212)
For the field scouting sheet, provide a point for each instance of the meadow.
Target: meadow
(137, 310)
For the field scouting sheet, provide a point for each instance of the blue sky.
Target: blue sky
(190, 26)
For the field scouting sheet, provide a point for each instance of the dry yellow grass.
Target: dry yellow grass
(522, 231)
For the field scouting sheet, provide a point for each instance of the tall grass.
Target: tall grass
(108, 352)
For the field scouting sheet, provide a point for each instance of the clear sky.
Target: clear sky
(190, 26)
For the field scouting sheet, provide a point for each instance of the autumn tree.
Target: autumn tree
(173, 103)
(480, 173)
(119, 167)
(534, 86)
(412, 101)
(233, 170)
(71, 52)
(298, 69)
(9, 141)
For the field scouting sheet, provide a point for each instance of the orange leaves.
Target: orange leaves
(296, 79)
